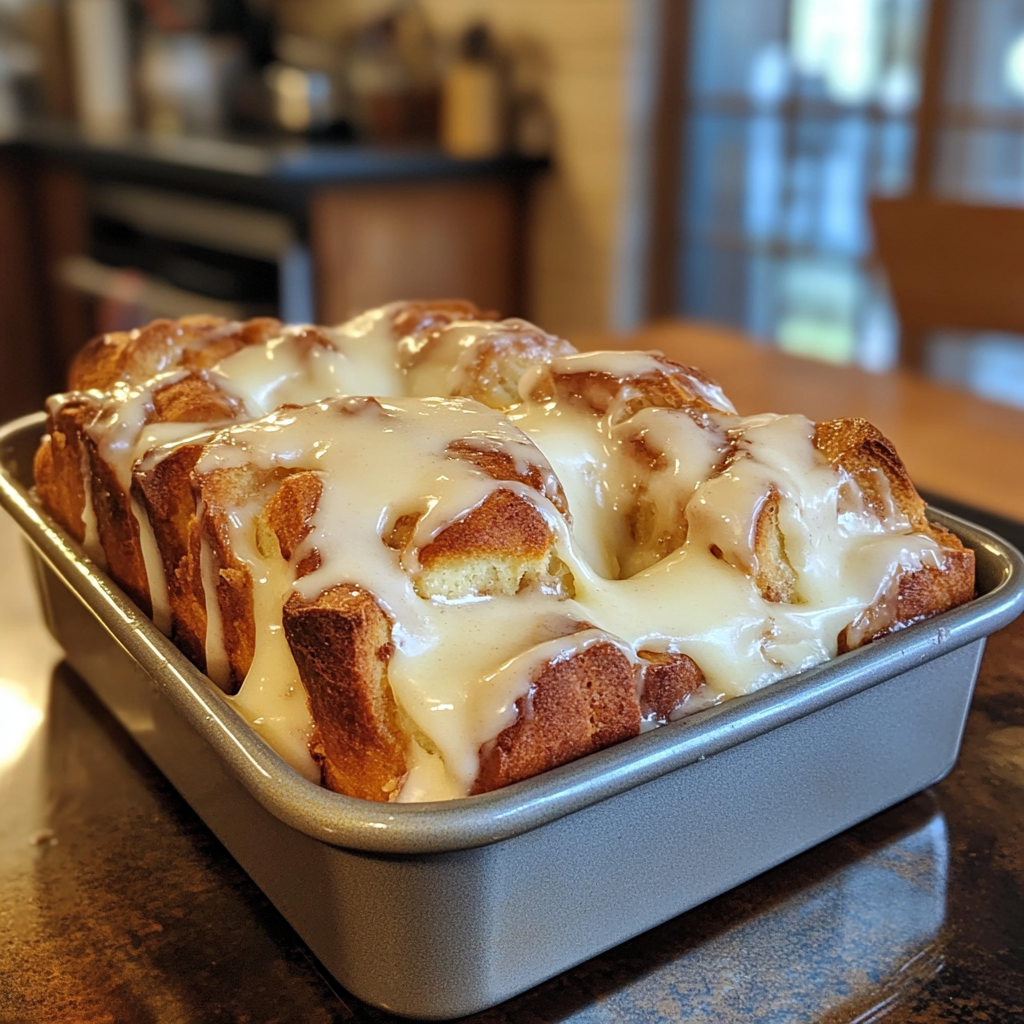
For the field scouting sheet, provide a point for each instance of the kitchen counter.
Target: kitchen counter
(274, 171)
(118, 904)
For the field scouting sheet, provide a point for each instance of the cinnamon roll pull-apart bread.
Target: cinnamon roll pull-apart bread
(513, 555)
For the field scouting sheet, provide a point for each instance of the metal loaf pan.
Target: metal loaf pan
(438, 910)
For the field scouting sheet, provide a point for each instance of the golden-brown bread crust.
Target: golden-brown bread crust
(280, 504)
(421, 317)
(773, 573)
(164, 489)
(118, 529)
(193, 398)
(667, 680)
(187, 509)
(341, 642)
(771, 570)
(499, 352)
(223, 494)
(576, 706)
(496, 548)
(861, 450)
(672, 386)
(919, 595)
(502, 523)
(61, 467)
(134, 357)
(882, 484)
(289, 516)
(501, 357)
(66, 463)
(500, 465)
(190, 399)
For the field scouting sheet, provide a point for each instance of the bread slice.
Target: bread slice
(61, 467)
(667, 681)
(341, 642)
(81, 484)
(162, 486)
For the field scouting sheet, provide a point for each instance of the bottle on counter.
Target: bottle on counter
(101, 54)
(472, 105)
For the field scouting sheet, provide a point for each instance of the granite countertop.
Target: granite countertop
(118, 904)
(264, 170)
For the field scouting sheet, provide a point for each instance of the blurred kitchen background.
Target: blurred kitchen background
(844, 180)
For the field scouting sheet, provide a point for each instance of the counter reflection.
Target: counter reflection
(862, 937)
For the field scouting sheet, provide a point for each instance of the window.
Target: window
(791, 115)
(797, 110)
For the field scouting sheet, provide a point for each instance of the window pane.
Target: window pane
(800, 110)
(822, 306)
(801, 183)
(818, 300)
(981, 165)
(735, 44)
(844, 51)
(985, 63)
(991, 365)
(715, 284)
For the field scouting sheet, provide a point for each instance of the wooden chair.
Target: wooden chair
(950, 265)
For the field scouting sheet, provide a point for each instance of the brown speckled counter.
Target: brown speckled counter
(117, 904)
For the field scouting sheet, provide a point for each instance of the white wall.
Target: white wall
(584, 235)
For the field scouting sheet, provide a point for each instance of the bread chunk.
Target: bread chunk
(500, 465)
(668, 680)
(879, 482)
(162, 485)
(341, 642)
(476, 358)
(426, 317)
(657, 382)
(499, 359)
(575, 706)
(61, 465)
(499, 547)
(917, 595)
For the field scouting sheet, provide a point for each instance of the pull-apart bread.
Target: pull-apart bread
(511, 555)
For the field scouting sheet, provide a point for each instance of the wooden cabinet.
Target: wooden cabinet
(375, 243)
(23, 343)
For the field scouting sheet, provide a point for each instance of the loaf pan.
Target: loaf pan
(438, 910)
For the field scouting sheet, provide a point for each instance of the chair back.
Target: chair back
(950, 265)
